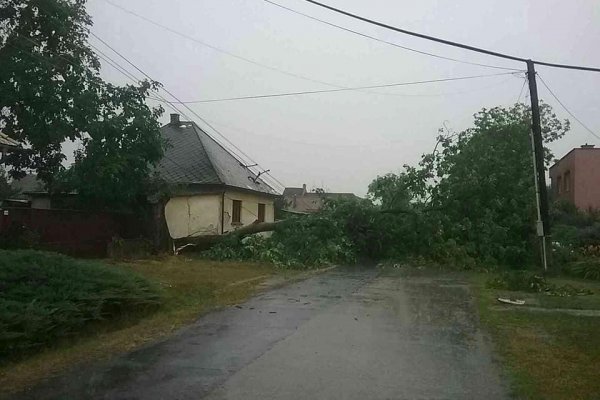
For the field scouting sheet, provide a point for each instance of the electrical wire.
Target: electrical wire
(308, 92)
(522, 88)
(218, 49)
(189, 109)
(134, 79)
(102, 56)
(385, 41)
(449, 42)
(567, 109)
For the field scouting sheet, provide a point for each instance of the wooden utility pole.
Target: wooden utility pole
(543, 226)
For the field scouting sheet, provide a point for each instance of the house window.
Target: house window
(261, 212)
(567, 181)
(558, 185)
(236, 217)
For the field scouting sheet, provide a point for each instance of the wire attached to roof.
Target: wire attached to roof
(187, 107)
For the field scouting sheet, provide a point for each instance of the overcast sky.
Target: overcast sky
(341, 141)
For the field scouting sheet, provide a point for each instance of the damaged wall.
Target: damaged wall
(189, 216)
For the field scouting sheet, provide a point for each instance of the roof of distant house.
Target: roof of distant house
(300, 200)
(7, 141)
(28, 184)
(292, 191)
(583, 147)
(193, 157)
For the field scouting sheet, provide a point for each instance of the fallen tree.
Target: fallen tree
(210, 240)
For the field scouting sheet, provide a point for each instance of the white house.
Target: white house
(211, 191)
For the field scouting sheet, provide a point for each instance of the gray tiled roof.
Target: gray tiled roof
(193, 157)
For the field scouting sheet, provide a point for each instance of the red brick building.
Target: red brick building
(576, 177)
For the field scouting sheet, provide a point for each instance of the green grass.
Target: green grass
(548, 355)
(189, 287)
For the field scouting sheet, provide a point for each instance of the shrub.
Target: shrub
(523, 281)
(45, 296)
(518, 281)
(587, 269)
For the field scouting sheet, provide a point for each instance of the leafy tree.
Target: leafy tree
(391, 191)
(475, 191)
(6, 190)
(51, 92)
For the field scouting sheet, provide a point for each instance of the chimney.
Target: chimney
(303, 189)
(587, 146)
(174, 119)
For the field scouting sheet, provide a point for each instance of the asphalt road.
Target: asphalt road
(347, 334)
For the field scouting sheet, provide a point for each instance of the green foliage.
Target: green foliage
(339, 234)
(6, 190)
(576, 236)
(523, 281)
(46, 296)
(587, 269)
(468, 203)
(52, 92)
(473, 195)
(519, 281)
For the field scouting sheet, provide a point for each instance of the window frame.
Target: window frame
(236, 212)
(262, 211)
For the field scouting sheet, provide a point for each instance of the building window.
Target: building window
(236, 217)
(261, 212)
(567, 181)
(558, 185)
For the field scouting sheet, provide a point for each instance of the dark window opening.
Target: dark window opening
(567, 181)
(236, 217)
(261, 212)
(558, 185)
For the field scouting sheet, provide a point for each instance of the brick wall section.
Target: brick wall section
(578, 173)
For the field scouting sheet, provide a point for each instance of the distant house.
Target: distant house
(575, 178)
(30, 190)
(299, 200)
(211, 191)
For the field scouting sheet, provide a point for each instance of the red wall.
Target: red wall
(584, 167)
(587, 179)
(72, 232)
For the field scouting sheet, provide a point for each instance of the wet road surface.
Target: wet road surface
(346, 334)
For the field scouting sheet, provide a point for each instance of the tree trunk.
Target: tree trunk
(210, 240)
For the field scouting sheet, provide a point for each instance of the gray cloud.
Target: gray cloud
(343, 140)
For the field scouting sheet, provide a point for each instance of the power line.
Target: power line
(190, 109)
(449, 42)
(566, 109)
(307, 92)
(385, 41)
(522, 88)
(114, 64)
(218, 49)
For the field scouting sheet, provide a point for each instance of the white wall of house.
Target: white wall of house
(249, 212)
(42, 203)
(197, 215)
(189, 216)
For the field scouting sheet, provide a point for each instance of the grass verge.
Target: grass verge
(188, 286)
(548, 355)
